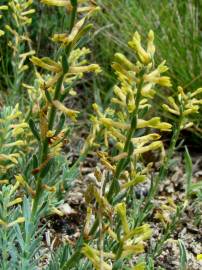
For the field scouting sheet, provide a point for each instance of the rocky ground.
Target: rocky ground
(188, 230)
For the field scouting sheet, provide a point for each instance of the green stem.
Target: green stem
(44, 154)
(119, 166)
(73, 15)
(165, 166)
(52, 115)
(114, 188)
(126, 148)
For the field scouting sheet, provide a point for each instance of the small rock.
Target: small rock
(67, 210)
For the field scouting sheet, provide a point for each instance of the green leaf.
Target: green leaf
(48, 96)
(83, 32)
(74, 3)
(60, 124)
(196, 187)
(34, 129)
(183, 255)
(65, 64)
(35, 162)
(188, 169)
(118, 264)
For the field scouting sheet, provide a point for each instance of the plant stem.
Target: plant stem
(114, 188)
(52, 115)
(156, 251)
(163, 171)
(119, 167)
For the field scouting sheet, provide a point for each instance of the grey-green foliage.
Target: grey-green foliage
(19, 243)
(60, 257)
(8, 255)
(10, 118)
(28, 239)
(183, 255)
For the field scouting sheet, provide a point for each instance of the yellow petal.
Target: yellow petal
(69, 112)
(199, 257)
(46, 63)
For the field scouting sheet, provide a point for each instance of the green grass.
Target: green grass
(177, 26)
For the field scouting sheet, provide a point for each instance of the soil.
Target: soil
(188, 230)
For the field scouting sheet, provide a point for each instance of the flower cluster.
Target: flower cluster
(19, 17)
(2, 7)
(8, 199)
(184, 105)
(127, 242)
(14, 137)
(127, 133)
(70, 65)
(132, 98)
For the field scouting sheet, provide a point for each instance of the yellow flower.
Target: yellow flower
(182, 94)
(23, 183)
(163, 81)
(46, 63)
(18, 220)
(56, 211)
(141, 233)
(86, 230)
(156, 78)
(69, 112)
(1, 32)
(17, 143)
(196, 92)
(121, 211)
(123, 61)
(132, 250)
(199, 257)
(28, 12)
(168, 109)
(115, 133)
(58, 3)
(150, 43)
(137, 179)
(4, 181)
(154, 123)
(110, 123)
(119, 156)
(193, 109)
(16, 201)
(82, 69)
(173, 103)
(93, 255)
(145, 139)
(139, 266)
(11, 157)
(148, 91)
(150, 147)
(135, 44)
(3, 7)
(66, 39)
